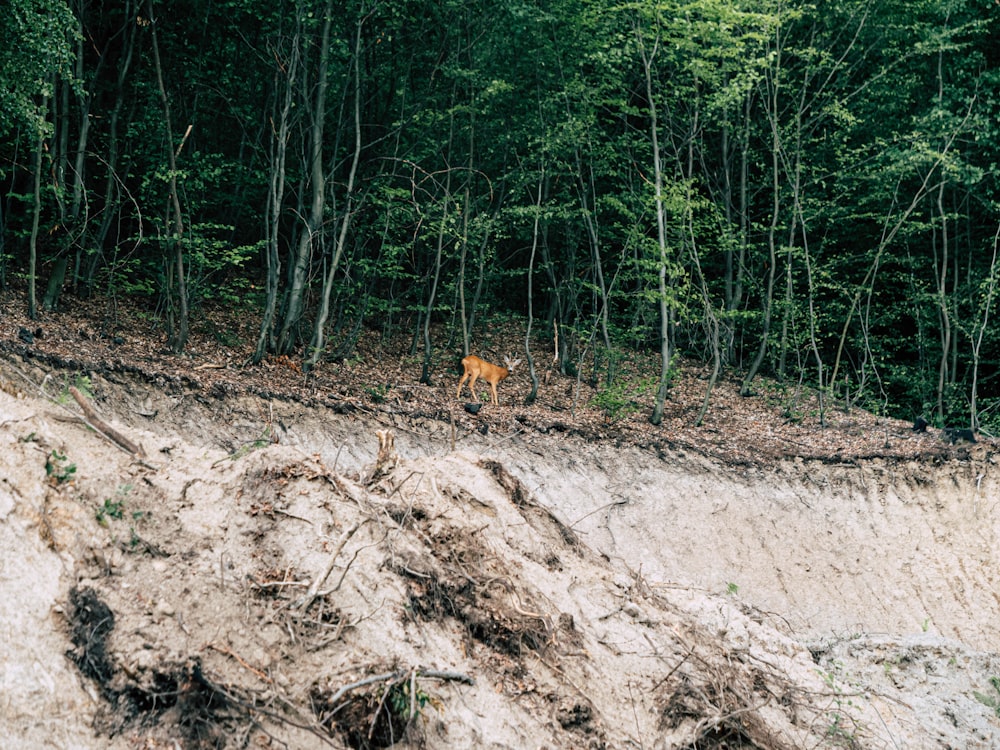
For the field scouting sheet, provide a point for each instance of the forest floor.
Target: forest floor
(246, 556)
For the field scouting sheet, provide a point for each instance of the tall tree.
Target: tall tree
(45, 32)
(318, 343)
(311, 234)
(177, 330)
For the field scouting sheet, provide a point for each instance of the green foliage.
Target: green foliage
(215, 265)
(405, 706)
(378, 393)
(131, 275)
(840, 729)
(45, 32)
(990, 700)
(110, 509)
(58, 469)
(989, 416)
(623, 397)
(81, 382)
(114, 508)
(847, 152)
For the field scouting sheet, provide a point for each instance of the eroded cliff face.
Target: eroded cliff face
(897, 547)
(259, 574)
(876, 545)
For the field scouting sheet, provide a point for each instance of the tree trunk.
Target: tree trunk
(463, 254)
(425, 372)
(319, 330)
(276, 197)
(466, 213)
(711, 324)
(977, 342)
(586, 188)
(36, 213)
(314, 222)
(56, 280)
(666, 310)
(481, 263)
(112, 191)
(772, 250)
(533, 394)
(177, 336)
(944, 312)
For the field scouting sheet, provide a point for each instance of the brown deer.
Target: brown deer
(476, 368)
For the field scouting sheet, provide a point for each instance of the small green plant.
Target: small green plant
(110, 509)
(82, 384)
(266, 438)
(620, 398)
(732, 589)
(114, 509)
(837, 731)
(402, 705)
(58, 469)
(840, 727)
(990, 701)
(378, 393)
(774, 393)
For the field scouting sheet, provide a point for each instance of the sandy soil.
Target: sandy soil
(261, 577)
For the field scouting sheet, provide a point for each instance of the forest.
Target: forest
(803, 191)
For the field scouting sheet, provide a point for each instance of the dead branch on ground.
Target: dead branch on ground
(400, 674)
(305, 602)
(104, 428)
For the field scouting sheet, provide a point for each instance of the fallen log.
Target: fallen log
(92, 418)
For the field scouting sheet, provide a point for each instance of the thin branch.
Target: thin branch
(392, 677)
(313, 591)
(105, 429)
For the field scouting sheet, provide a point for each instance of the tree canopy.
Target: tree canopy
(801, 190)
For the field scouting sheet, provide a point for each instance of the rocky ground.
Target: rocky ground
(198, 552)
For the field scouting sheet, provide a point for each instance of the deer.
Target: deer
(476, 368)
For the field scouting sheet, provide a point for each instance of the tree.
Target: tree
(287, 50)
(177, 330)
(333, 264)
(647, 53)
(45, 31)
(769, 187)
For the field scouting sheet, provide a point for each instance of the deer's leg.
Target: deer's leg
(458, 393)
(493, 388)
(472, 387)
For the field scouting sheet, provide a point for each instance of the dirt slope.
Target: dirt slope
(259, 579)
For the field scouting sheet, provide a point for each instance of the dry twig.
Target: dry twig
(313, 591)
(410, 674)
(229, 652)
(105, 429)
